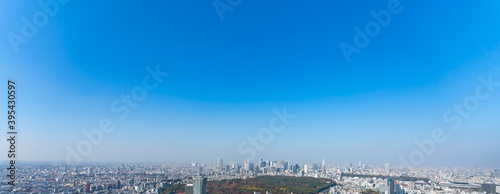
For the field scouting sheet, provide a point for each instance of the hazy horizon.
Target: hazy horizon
(233, 79)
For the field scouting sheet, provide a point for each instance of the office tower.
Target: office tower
(390, 184)
(323, 167)
(399, 190)
(305, 169)
(295, 168)
(237, 168)
(200, 185)
(261, 163)
(489, 187)
(359, 164)
(188, 189)
(315, 167)
(220, 164)
(251, 167)
(285, 165)
(387, 167)
(246, 165)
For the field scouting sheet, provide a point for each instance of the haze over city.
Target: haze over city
(227, 77)
(250, 97)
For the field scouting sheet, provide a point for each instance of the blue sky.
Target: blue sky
(227, 76)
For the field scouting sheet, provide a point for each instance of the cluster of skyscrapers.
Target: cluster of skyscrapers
(270, 167)
(195, 177)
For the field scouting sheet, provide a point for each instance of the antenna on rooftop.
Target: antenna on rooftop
(476, 168)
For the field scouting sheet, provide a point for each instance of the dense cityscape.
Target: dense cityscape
(38, 177)
(250, 97)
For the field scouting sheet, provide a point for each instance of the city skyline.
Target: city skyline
(250, 97)
(202, 178)
(135, 82)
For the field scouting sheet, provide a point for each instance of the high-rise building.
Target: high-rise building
(295, 169)
(200, 185)
(390, 184)
(251, 167)
(246, 165)
(237, 168)
(220, 164)
(399, 190)
(489, 187)
(323, 167)
(387, 168)
(305, 169)
(359, 164)
(188, 189)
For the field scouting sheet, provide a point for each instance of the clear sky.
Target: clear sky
(226, 76)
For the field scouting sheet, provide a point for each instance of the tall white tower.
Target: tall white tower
(323, 167)
(220, 164)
